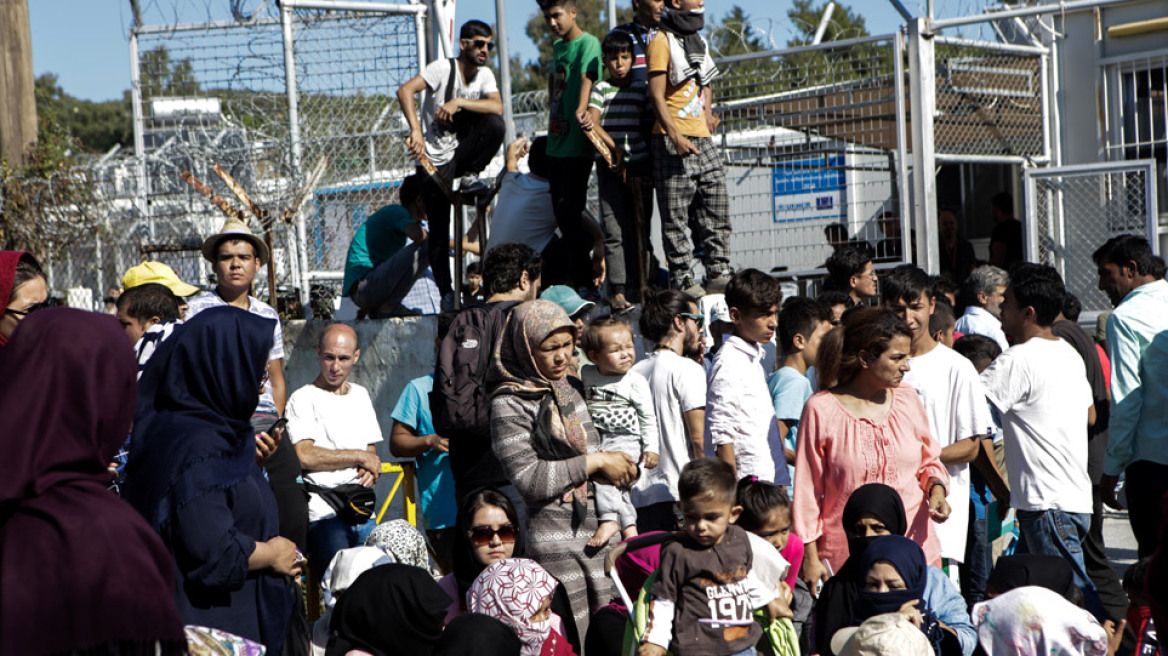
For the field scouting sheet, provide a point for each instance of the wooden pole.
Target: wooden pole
(18, 116)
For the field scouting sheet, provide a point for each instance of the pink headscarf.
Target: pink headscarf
(512, 590)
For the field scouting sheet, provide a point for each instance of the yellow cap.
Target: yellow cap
(157, 272)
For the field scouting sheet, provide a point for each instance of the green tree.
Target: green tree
(591, 16)
(162, 77)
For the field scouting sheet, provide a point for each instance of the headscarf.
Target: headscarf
(1020, 570)
(389, 610)
(513, 371)
(405, 543)
(79, 568)
(909, 559)
(1033, 621)
(346, 566)
(875, 499)
(513, 590)
(475, 634)
(192, 431)
(834, 609)
(8, 262)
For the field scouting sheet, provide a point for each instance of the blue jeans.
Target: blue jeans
(328, 536)
(1058, 533)
(979, 560)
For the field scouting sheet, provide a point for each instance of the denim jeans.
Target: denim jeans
(328, 536)
(979, 560)
(1057, 533)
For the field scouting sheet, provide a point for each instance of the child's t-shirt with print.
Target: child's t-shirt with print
(571, 61)
(703, 596)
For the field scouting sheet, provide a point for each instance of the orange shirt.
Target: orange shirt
(684, 100)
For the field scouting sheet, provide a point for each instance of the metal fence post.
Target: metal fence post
(286, 19)
(904, 209)
(504, 72)
(139, 133)
(923, 95)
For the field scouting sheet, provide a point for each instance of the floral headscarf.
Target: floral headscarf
(513, 371)
(1033, 621)
(512, 590)
(405, 543)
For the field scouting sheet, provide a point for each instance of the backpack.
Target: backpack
(460, 401)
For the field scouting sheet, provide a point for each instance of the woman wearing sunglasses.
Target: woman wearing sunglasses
(23, 289)
(487, 532)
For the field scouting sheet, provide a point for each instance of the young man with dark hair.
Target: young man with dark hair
(850, 270)
(1133, 278)
(739, 411)
(144, 306)
(388, 258)
(687, 165)
(1040, 388)
(837, 302)
(575, 67)
(953, 397)
(236, 256)
(803, 322)
(672, 325)
(461, 129)
(459, 400)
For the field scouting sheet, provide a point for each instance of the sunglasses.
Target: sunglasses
(30, 309)
(482, 44)
(481, 536)
(699, 319)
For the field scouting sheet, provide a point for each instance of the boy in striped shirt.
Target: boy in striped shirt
(616, 107)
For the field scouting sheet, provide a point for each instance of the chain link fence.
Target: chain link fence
(990, 100)
(812, 140)
(1073, 210)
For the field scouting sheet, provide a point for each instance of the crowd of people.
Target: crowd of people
(581, 500)
(904, 463)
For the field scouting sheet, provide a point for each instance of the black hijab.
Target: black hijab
(909, 560)
(79, 568)
(475, 634)
(1050, 572)
(192, 431)
(389, 610)
(834, 609)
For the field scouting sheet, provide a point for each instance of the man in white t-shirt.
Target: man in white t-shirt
(953, 396)
(335, 430)
(460, 131)
(670, 322)
(1040, 388)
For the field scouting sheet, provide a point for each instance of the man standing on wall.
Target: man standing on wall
(461, 129)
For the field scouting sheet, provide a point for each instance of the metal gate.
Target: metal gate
(1072, 210)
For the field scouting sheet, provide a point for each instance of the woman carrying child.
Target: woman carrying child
(544, 438)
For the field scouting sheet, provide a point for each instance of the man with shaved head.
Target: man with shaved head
(335, 430)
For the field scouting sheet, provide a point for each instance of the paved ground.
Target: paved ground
(1118, 538)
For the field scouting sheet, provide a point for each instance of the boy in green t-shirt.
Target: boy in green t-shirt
(575, 66)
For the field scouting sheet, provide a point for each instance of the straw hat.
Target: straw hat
(157, 272)
(234, 230)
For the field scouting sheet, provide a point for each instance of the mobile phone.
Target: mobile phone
(279, 423)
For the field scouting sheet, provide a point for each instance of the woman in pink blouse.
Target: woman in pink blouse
(862, 427)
